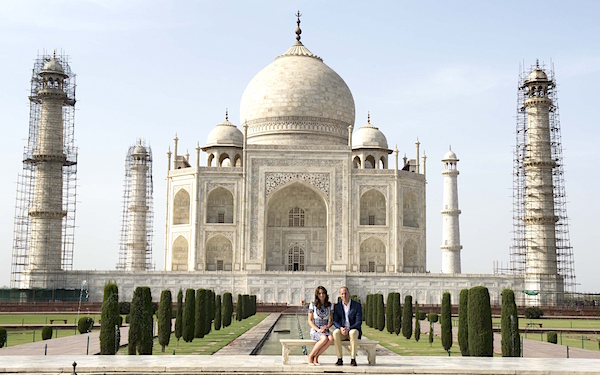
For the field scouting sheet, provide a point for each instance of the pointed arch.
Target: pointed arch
(179, 256)
(219, 206)
(410, 256)
(181, 207)
(356, 162)
(373, 208)
(370, 162)
(410, 210)
(219, 253)
(372, 255)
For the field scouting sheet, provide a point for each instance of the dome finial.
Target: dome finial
(54, 54)
(368, 117)
(298, 31)
(226, 114)
(537, 63)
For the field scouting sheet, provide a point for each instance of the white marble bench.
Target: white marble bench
(287, 345)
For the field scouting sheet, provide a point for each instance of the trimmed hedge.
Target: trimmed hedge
(533, 313)
(217, 312)
(552, 337)
(110, 318)
(368, 309)
(189, 315)
(432, 317)
(85, 324)
(165, 313)
(481, 339)
(389, 313)
(509, 325)
(417, 322)
(380, 312)
(210, 311)
(124, 308)
(446, 322)
(397, 311)
(141, 327)
(179, 316)
(238, 308)
(2, 337)
(463, 322)
(201, 312)
(46, 333)
(227, 309)
(407, 315)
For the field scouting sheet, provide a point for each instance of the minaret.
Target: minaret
(136, 247)
(450, 230)
(47, 212)
(540, 259)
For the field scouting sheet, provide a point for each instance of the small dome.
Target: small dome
(368, 136)
(225, 134)
(139, 150)
(53, 66)
(450, 155)
(537, 75)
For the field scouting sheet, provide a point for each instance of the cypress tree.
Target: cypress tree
(140, 326)
(165, 314)
(463, 322)
(397, 314)
(189, 315)
(407, 314)
(179, 316)
(200, 317)
(389, 313)
(417, 323)
(367, 311)
(446, 322)
(109, 329)
(481, 339)
(380, 312)
(227, 309)
(217, 312)
(430, 333)
(209, 308)
(509, 328)
(373, 310)
(238, 308)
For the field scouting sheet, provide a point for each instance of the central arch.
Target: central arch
(372, 255)
(296, 218)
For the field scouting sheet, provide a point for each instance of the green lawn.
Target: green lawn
(556, 323)
(210, 343)
(400, 345)
(43, 318)
(26, 336)
(573, 340)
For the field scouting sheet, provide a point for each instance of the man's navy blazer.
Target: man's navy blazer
(354, 316)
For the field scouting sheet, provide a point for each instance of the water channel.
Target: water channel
(287, 328)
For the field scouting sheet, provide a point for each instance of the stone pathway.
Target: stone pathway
(245, 344)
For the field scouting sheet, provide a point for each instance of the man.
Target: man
(347, 318)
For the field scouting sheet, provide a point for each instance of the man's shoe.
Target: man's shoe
(353, 362)
(339, 362)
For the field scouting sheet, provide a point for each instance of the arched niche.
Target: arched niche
(219, 254)
(210, 159)
(219, 206)
(356, 162)
(181, 207)
(179, 256)
(410, 256)
(373, 208)
(238, 161)
(370, 162)
(410, 210)
(372, 255)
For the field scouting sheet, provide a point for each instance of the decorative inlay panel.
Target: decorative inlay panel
(212, 185)
(275, 179)
(209, 234)
(363, 236)
(380, 188)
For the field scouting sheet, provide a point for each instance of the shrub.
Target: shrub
(432, 317)
(354, 297)
(430, 333)
(179, 316)
(217, 312)
(552, 337)
(189, 315)
(407, 315)
(446, 322)
(165, 313)
(380, 312)
(463, 322)
(46, 333)
(201, 310)
(397, 314)
(422, 315)
(417, 323)
(120, 321)
(509, 325)
(227, 309)
(141, 327)
(480, 334)
(389, 313)
(124, 308)
(2, 337)
(110, 320)
(238, 308)
(85, 325)
(128, 318)
(533, 313)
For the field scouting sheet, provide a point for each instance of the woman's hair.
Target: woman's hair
(318, 301)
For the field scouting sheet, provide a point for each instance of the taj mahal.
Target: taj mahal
(297, 195)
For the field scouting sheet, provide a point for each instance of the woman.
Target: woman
(320, 319)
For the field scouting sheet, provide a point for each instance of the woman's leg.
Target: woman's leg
(328, 342)
(315, 350)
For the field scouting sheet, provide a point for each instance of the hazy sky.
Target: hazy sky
(443, 71)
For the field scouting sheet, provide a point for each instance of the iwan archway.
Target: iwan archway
(296, 229)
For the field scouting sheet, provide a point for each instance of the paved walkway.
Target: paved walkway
(245, 344)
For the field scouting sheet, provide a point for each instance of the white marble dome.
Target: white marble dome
(297, 99)
(450, 155)
(139, 150)
(225, 134)
(53, 66)
(537, 75)
(369, 136)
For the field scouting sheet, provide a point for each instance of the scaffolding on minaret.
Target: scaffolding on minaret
(66, 182)
(138, 216)
(519, 246)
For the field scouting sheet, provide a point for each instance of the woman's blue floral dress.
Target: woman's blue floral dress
(320, 318)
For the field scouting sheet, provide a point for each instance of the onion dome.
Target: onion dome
(537, 74)
(139, 150)
(297, 99)
(369, 136)
(450, 155)
(53, 66)
(225, 134)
